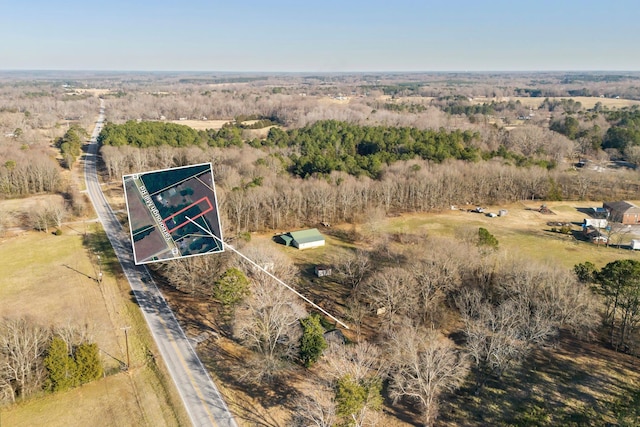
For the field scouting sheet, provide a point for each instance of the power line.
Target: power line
(270, 275)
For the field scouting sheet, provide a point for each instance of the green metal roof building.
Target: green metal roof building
(303, 239)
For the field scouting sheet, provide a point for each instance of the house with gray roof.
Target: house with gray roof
(623, 212)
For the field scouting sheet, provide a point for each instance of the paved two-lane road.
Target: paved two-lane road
(199, 394)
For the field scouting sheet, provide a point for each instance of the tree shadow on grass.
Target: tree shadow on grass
(565, 385)
(97, 245)
(234, 369)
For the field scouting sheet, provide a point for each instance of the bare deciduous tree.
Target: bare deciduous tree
(393, 289)
(493, 336)
(353, 267)
(437, 275)
(195, 274)
(73, 335)
(359, 361)
(316, 407)
(423, 364)
(39, 218)
(268, 323)
(22, 346)
(56, 213)
(275, 262)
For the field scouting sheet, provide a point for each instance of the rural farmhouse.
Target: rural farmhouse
(623, 212)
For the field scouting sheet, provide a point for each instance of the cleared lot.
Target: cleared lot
(52, 280)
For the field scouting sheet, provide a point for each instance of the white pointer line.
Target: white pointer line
(270, 275)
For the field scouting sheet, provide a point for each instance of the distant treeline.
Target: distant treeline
(625, 128)
(320, 148)
(148, 134)
(623, 133)
(330, 145)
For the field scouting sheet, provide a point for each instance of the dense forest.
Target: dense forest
(325, 146)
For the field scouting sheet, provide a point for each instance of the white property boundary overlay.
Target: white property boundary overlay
(150, 205)
(271, 275)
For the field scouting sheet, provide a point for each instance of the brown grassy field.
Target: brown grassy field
(14, 211)
(52, 280)
(586, 101)
(202, 124)
(217, 124)
(522, 231)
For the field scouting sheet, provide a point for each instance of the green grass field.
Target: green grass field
(523, 232)
(52, 280)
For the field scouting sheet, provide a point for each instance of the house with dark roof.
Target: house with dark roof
(623, 212)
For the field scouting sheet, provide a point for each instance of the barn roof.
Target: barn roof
(306, 236)
(622, 206)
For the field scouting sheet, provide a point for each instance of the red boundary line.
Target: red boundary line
(184, 209)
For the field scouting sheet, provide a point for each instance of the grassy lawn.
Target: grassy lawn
(112, 401)
(523, 231)
(52, 280)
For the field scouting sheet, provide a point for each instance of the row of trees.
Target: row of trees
(619, 284)
(33, 358)
(27, 172)
(70, 144)
(330, 145)
(275, 201)
(148, 134)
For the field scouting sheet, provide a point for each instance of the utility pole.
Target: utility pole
(126, 339)
(99, 270)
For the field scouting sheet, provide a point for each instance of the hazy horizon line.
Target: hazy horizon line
(105, 71)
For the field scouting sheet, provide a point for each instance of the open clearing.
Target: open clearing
(215, 124)
(586, 101)
(14, 211)
(202, 124)
(52, 280)
(523, 231)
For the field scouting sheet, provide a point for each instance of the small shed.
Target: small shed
(635, 244)
(322, 270)
(306, 239)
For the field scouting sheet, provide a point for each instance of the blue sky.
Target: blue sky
(322, 36)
